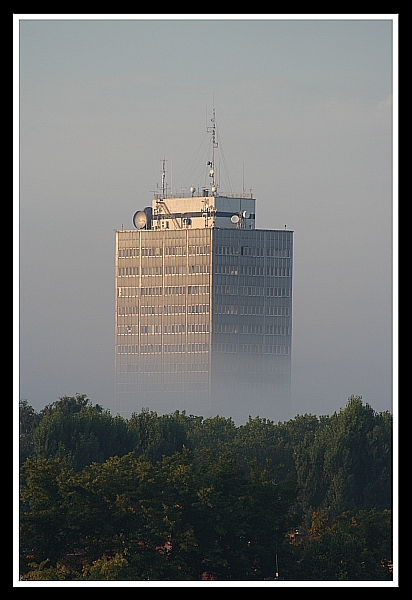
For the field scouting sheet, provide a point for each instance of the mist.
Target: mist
(305, 117)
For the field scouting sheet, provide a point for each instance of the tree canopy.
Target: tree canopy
(180, 497)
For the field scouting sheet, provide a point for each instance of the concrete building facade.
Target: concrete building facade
(203, 310)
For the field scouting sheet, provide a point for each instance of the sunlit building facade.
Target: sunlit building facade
(203, 310)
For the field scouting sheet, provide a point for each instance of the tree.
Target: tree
(70, 405)
(353, 547)
(28, 421)
(43, 518)
(82, 434)
(158, 435)
(174, 496)
(344, 462)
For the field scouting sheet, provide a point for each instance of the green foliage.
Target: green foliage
(81, 433)
(43, 515)
(352, 547)
(28, 421)
(41, 572)
(172, 497)
(159, 435)
(69, 405)
(172, 520)
(345, 462)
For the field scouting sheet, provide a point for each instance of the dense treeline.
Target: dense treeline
(179, 497)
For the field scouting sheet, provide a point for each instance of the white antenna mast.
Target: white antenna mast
(212, 129)
(163, 178)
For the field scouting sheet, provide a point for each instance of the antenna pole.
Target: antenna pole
(163, 178)
(212, 129)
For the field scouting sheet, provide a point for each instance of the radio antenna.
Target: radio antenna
(163, 178)
(212, 129)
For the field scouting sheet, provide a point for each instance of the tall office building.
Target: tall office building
(203, 309)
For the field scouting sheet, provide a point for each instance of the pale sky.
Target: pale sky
(304, 108)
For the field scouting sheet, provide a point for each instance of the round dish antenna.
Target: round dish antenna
(140, 219)
(234, 219)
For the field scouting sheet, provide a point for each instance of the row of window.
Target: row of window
(231, 328)
(204, 250)
(251, 349)
(176, 309)
(251, 251)
(157, 348)
(220, 309)
(170, 290)
(168, 251)
(172, 368)
(168, 270)
(172, 309)
(176, 290)
(203, 367)
(205, 269)
(278, 271)
(250, 290)
(196, 348)
(254, 271)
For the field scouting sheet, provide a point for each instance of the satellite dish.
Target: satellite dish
(245, 214)
(140, 219)
(148, 212)
(234, 219)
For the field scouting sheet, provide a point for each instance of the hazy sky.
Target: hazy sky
(304, 114)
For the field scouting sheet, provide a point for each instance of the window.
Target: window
(128, 252)
(257, 329)
(226, 328)
(127, 292)
(277, 350)
(227, 250)
(251, 348)
(198, 309)
(174, 290)
(277, 311)
(151, 291)
(227, 289)
(198, 348)
(150, 310)
(226, 309)
(175, 269)
(199, 250)
(251, 310)
(277, 292)
(151, 270)
(174, 309)
(152, 251)
(127, 271)
(174, 348)
(179, 328)
(250, 251)
(175, 251)
(198, 269)
(251, 290)
(198, 328)
(127, 310)
(150, 348)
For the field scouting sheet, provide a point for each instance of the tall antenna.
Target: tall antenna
(212, 129)
(163, 178)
